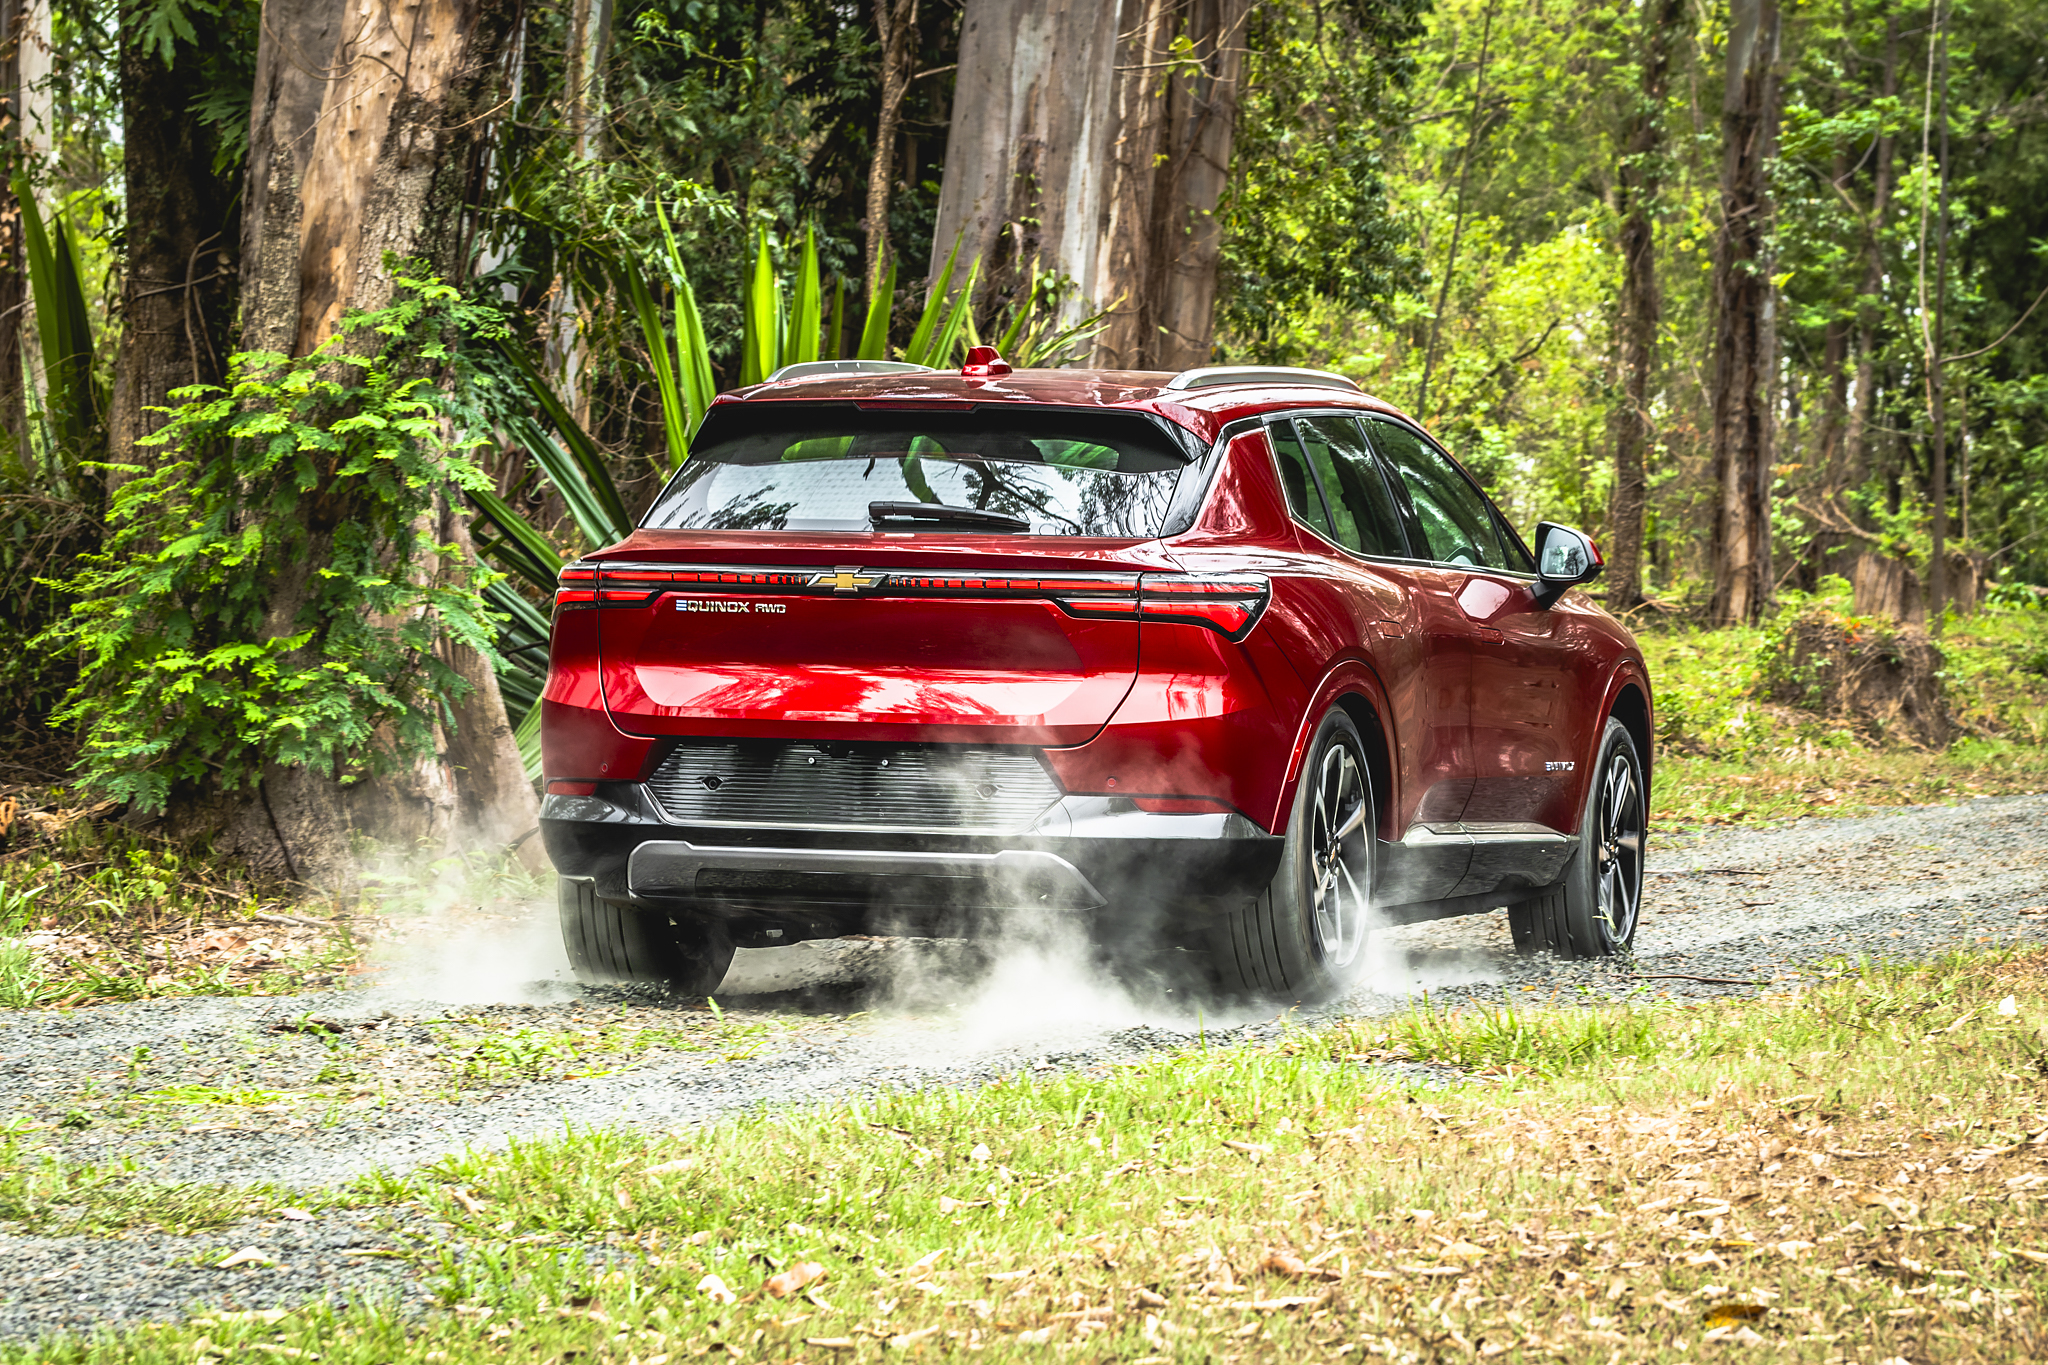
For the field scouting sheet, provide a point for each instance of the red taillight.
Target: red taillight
(572, 789)
(1229, 605)
(575, 597)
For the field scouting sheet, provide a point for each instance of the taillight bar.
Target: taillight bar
(1227, 603)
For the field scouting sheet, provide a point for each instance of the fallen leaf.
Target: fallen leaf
(2009, 1006)
(1145, 1298)
(1287, 1263)
(295, 1215)
(246, 1256)
(903, 1341)
(672, 1167)
(791, 1280)
(1279, 1305)
(2037, 1257)
(948, 1204)
(1037, 1338)
(1739, 1336)
(926, 1262)
(1254, 1150)
(1728, 1314)
(469, 1202)
(1792, 1251)
(831, 1343)
(1464, 1251)
(715, 1288)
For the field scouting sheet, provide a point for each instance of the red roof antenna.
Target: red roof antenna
(983, 362)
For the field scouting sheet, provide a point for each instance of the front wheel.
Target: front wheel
(1303, 937)
(610, 944)
(1593, 911)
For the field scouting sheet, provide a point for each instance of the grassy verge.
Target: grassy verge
(1726, 755)
(1854, 1173)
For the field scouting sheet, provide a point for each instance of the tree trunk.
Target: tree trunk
(1124, 261)
(365, 146)
(1870, 308)
(1180, 144)
(1744, 332)
(177, 288)
(13, 260)
(1639, 306)
(1028, 155)
(896, 21)
(1187, 236)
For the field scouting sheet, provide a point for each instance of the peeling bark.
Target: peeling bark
(1028, 153)
(370, 118)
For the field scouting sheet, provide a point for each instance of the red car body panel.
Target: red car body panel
(1484, 701)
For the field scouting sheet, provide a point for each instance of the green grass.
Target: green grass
(1852, 1171)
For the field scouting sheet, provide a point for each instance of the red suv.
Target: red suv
(1235, 659)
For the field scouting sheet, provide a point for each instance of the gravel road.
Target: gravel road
(478, 1039)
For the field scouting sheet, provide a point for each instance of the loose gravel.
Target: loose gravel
(317, 1090)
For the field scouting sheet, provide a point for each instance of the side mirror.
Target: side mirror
(1564, 559)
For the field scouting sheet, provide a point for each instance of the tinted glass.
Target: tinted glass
(1361, 506)
(826, 469)
(1455, 519)
(1302, 498)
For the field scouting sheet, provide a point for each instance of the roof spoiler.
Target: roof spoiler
(1212, 376)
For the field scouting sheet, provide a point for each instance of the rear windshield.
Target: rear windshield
(1005, 472)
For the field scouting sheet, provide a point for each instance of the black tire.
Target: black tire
(616, 945)
(1594, 910)
(1303, 937)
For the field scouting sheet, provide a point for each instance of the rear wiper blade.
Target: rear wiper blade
(939, 511)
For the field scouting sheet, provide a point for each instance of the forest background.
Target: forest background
(329, 329)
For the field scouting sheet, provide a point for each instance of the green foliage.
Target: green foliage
(310, 482)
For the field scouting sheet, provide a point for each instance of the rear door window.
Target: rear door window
(1047, 473)
(1456, 521)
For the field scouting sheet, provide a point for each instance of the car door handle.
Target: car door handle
(1487, 635)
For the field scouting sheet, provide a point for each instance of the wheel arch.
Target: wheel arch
(1631, 706)
(1353, 688)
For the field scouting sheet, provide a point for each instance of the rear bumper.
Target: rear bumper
(1099, 857)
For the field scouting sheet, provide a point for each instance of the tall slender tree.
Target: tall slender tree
(1744, 337)
(1639, 307)
(1165, 238)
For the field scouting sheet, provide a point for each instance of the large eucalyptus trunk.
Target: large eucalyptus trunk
(1744, 333)
(1639, 306)
(1028, 152)
(1178, 112)
(177, 285)
(368, 126)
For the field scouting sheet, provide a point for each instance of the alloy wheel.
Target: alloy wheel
(1340, 867)
(1618, 878)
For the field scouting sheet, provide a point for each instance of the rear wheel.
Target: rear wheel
(611, 944)
(1593, 911)
(1303, 937)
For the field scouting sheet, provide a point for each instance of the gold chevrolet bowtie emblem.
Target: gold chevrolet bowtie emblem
(847, 579)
